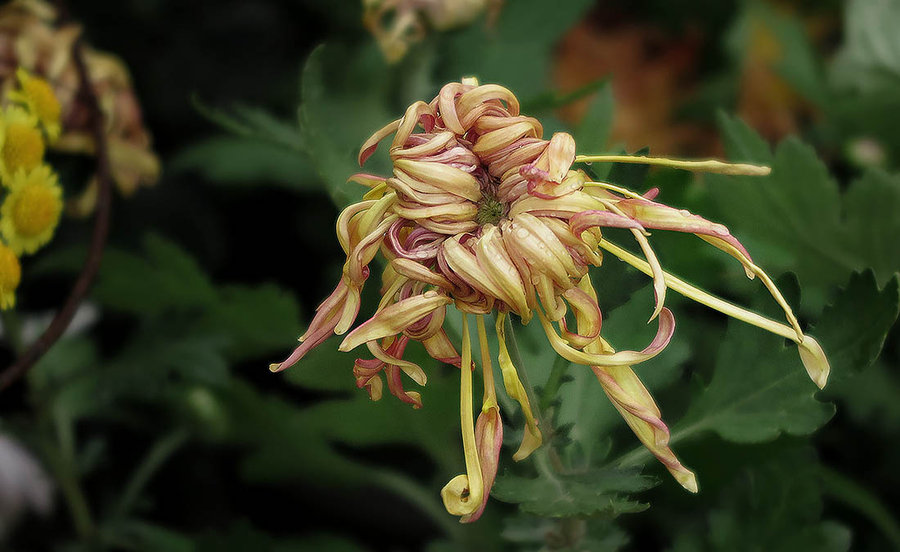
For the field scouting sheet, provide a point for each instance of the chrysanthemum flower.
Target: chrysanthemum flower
(10, 275)
(30, 212)
(21, 143)
(484, 214)
(37, 95)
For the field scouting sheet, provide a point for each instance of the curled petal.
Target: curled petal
(328, 316)
(370, 145)
(814, 360)
(391, 358)
(448, 179)
(621, 358)
(462, 496)
(488, 440)
(418, 112)
(394, 319)
(587, 317)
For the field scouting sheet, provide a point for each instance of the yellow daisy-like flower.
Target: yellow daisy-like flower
(30, 213)
(10, 274)
(37, 95)
(21, 143)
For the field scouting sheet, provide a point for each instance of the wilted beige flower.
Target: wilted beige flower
(484, 214)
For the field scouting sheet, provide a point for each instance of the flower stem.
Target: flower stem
(156, 457)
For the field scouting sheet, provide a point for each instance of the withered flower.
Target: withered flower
(484, 214)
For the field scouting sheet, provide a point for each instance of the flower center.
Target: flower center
(23, 147)
(36, 210)
(491, 209)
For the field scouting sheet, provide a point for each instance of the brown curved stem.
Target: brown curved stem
(98, 239)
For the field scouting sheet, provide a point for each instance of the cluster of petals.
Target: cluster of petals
(485, 214)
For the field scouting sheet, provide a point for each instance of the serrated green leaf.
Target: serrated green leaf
(599, 492)
(799, 215)
(759, 389)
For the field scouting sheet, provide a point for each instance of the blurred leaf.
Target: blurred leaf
(253, 122)
(516, 51)
(255, 320)
(763, 29)
(245, 161)
(140, 535)
(759, 389)
(164, 279)
(870, 56)
(599, 492)
(593, 131)
(776, 506)
(340, 109)
(801, 217)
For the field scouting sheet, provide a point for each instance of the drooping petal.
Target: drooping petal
(531, 438)
(393, 319)
(640, 412)
(621, 358)
(463, 494)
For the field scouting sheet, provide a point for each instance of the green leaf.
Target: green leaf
(870, 56)
(594, 129)
(599, 492)
(253, 122)
(800, 217)
(775, 506)
(164, 279)
(339, 110)
(515, 52)
(759, 388)
(254, 320)
(238, 160)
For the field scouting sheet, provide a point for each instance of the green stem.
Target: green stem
(560, 365)
(156, 457)
(863, 501)
(544, 423)
(61, 460)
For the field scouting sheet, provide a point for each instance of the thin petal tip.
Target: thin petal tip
(814, 360)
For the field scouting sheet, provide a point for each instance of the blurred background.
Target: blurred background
(154, 424)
